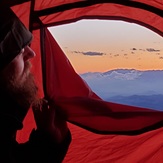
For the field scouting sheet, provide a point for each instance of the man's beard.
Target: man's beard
(23, 92)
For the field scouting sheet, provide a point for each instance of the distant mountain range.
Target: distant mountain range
(128, 86)
(145, 101)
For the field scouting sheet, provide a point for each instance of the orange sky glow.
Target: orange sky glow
(99, 46)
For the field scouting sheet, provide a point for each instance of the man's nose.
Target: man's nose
(28, 53)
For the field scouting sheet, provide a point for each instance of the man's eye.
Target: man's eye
(22, 51)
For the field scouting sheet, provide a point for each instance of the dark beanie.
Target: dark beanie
(13, 36)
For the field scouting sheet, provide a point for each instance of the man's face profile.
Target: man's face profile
(17, 79)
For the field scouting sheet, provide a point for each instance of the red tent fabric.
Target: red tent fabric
(83, 106)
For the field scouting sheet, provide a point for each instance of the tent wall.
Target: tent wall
(87, 147)
(91, 148)
(114, 11)
(147, 13)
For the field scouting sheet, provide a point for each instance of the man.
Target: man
(47, 143)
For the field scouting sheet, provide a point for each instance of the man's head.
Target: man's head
(15, 78)
(13, 36)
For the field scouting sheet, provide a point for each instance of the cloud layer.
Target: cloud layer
(89, 53)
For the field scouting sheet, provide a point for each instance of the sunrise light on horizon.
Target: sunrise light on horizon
(102, 45)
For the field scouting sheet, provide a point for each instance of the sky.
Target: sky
(102, 45)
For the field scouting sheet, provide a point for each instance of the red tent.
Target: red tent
(101, 130)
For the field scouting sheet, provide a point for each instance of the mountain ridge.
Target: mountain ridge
(126, 83)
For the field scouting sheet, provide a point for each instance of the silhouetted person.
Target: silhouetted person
(47, 143)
